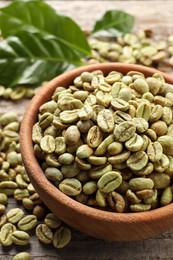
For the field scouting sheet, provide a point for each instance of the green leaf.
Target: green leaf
(39, 44)
(114, 23)
(32, 58)
(43, 18)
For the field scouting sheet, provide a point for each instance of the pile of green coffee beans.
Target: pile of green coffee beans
(16, 93)
(107, 141)
(14, 182)
(130, 48)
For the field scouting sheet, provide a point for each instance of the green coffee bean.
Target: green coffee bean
(84, 151)
(162, 164)
(120, 158)
(20, 194)
(3, 199)
(3, 220)
(140, 207)
(47, 144)
(44, 233)
(6, 234)
(166, 196)
(61, 237)
(154, 151)
(27, 223)
(143, 111)
(137, 161)
(166, 142)
(86, 112)
(66, 158)
(8, 187)
(124, 131)
(72, 135)
(137, 184)
(141, 124)
(135, 143)
(105, 121)
(96, 160)
(52, 221)
(28, 203)
(116, 202)
(120, 116)
(103, 98)
(101, 199)
(89, 187)
(2, 209)
(20, 238)
(141, 86)
(109, 181)
(22, 256)
(115, 148)
(161, 180)
(71, 187)
(132, 197)
(39, 211)
(21, 182)
(53, 174)
(69, 116)
(15, 215)
(98, 171)
(7, 118)
(120, 104)
(94, 137)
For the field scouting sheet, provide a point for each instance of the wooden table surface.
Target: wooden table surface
(155, 15)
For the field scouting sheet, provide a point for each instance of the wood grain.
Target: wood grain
(155, 15)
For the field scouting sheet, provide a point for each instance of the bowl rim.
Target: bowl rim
(36, 173)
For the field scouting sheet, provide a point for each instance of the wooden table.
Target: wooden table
(155, 15)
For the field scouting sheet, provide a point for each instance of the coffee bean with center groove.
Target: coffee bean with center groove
(44, 234)
(61, 237)
(105, 121)
(27, 223)
(70, 186)
(20, 238)
(124, 131)
(109, 181)
(137, 161)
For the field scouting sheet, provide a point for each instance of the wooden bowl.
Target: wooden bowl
(95, 222)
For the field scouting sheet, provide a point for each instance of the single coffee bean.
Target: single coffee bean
(70, 186)
(44, 234)
(47, 144)
(166, 196)
(20, 238)
(14, 215)
(154, 151)
(137, 161)
(94, 137)
(124, 131)
(116, 201)
(72, 135)
(140, 207)
(6, 234)
(22, 256)
(109, 181)
(138, 184)
(61, 237)
(135, 143)
(52, 221)
(105, 121)
(27, 223)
